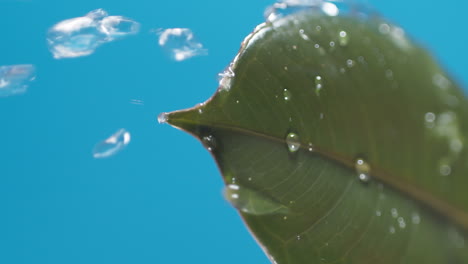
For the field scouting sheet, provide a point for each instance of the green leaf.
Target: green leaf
(340, 141)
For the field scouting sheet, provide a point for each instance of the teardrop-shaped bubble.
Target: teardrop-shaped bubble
(293, 142)
(252, 202)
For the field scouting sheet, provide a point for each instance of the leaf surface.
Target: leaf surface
(340, 141)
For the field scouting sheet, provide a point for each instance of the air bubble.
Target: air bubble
(394, 212)
(318, 85)
(112, 145)
(401, 222)
(350, 63)
(303, 35)
(180, 43)
(363, 169)
(15, 79)
(293, 142)
(81, 36)
(343, 38)
(286, 95)
(415, 219)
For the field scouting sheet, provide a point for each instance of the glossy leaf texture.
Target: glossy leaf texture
(340, 141)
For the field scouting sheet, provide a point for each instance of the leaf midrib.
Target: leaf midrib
(425, 199)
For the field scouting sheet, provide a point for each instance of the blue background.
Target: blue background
(59, 205)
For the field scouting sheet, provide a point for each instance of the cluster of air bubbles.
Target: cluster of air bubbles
(15, 79)
(363, 169)
(80, 36)
(287, 7)
(180, 43)
(293, 142)
(112, 145)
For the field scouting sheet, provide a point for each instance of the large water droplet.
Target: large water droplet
(252, 202)
(15, 79)
(363, 169)
(180, 43)
(112, 145)
(293, 142)
(81, 36)
(318, 85)
(415, 218)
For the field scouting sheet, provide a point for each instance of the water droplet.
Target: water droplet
(180, 43)
(162, 118)
(363, 169)
(343, 38)
(318, 85)
(298, 237)
(311, 147)
(350, 63)
(112, 145)
(252, 202)
(332, 44)
(292, 139)
(441, 81)
(81, 36)
(378, 213)
(286, 95)
(394, 212)
(321, 116)
(286, 68)
(15, 79)
(285, 217)
(415, 219)
(392, 230)
(209, 142)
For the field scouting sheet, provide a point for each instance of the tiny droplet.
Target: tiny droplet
(293, 142)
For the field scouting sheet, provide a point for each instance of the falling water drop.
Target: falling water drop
(292, 140)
